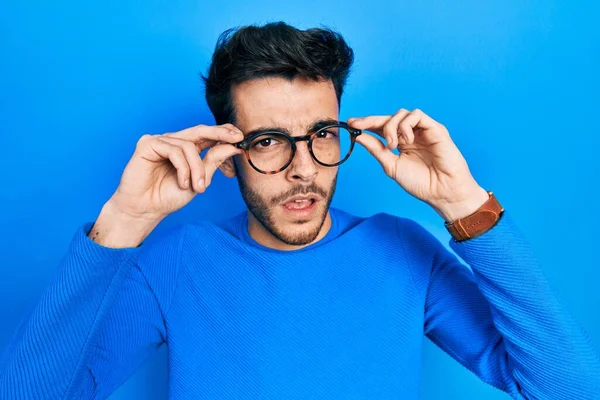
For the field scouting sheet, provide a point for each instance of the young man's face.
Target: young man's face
(295, 105)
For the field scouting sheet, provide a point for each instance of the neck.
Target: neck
(262, 236)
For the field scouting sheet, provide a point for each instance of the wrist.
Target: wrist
(117, 229)
(451, 211)
(477, 223)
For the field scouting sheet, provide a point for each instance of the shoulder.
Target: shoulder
(385, 222)
(394, 227)
(418, 244)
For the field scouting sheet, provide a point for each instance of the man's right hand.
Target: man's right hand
(164, 174)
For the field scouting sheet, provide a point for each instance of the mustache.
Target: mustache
(296, 190)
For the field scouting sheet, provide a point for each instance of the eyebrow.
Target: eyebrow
(312, 127)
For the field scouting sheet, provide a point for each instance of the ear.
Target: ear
(227, 167)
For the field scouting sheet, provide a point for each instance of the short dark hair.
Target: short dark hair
(274, 49)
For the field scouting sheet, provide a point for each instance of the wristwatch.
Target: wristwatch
(476, 224)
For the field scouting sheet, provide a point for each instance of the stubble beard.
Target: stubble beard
(262, 210)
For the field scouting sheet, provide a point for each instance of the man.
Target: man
(294, 299)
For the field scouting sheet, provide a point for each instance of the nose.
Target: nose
(303, 167)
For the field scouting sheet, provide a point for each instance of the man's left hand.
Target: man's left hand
(430, 167)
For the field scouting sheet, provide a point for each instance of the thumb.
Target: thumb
(378, 150)
(215, 157)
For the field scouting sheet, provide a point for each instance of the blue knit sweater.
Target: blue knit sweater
(343, 318)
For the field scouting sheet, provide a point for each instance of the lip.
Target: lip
(304, 213)
(313, 197)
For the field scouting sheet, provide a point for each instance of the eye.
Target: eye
(325, 134)
(265, 142)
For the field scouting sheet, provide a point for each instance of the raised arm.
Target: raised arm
(100, 317)
(95, 323)
(502, 320)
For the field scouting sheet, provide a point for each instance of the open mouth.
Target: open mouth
(302, 204)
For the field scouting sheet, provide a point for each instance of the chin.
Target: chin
(301, 229)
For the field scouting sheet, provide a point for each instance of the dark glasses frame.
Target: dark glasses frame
(245, 145)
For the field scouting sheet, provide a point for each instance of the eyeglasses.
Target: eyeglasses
(271, 152)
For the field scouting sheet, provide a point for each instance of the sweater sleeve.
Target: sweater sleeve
(96, 322)
(502, 320)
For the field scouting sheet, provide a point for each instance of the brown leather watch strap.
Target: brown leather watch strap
(481, 221)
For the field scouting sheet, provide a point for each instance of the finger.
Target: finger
(373, 123)
(178, 141)
(192, 155)
(391, 128)
(216, 156)
(385, 157)
(417, 119)
(201, 144)
(219, 133)
(175, 155)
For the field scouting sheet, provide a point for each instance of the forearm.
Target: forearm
(552, 356)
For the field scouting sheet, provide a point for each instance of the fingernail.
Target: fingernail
(186, 183)
(201, 183)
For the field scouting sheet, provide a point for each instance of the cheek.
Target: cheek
(327, 174)
(266, 186)
(244, 170)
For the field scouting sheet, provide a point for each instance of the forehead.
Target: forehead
(278, 102)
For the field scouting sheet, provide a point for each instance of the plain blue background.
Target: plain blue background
(515, 82)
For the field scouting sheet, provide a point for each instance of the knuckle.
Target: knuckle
(145, 137)
(158, 138)
(197, 130)
(189, 146)
(232, 129)
(177, 152)
(143, 141)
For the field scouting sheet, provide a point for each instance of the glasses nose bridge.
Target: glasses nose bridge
(305, 138)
